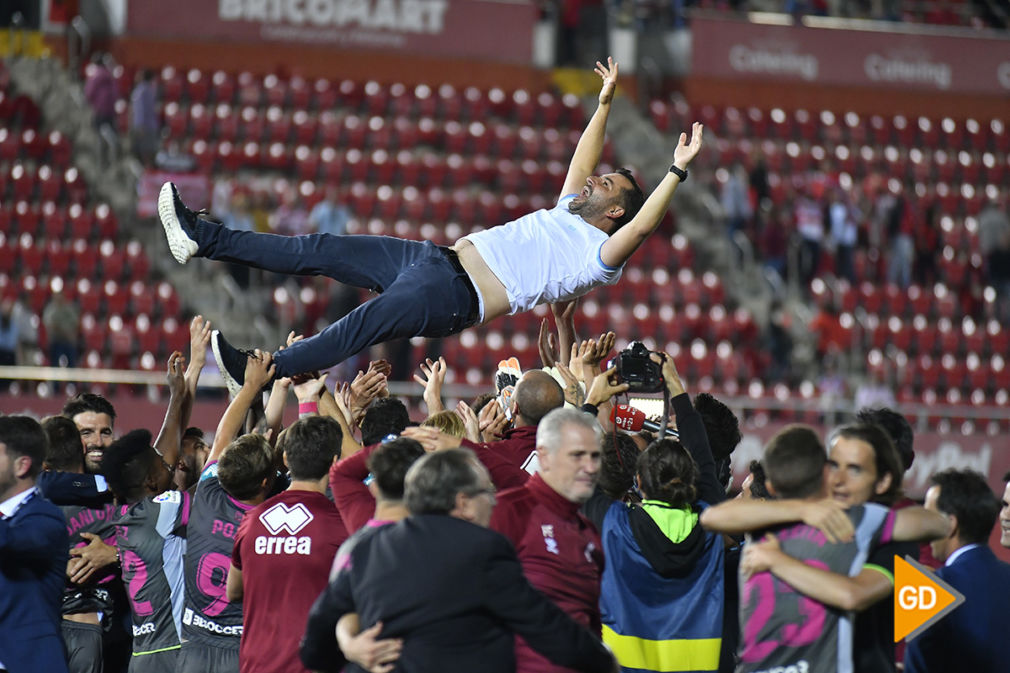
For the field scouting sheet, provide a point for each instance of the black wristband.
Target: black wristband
(590, 409)
(679, 172)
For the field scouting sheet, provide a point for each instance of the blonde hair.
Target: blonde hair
(447, 421)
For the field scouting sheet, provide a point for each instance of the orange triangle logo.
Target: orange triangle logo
(920, 598)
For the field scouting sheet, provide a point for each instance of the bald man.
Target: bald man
(536, 395)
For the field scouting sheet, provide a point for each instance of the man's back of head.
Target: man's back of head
(246, 466)
(384, 416)
(536, 395)
(450, 482)
(64, 453)
(128, 464)
(309, 445)
(389, 465)
(794, 461)
(22, 437)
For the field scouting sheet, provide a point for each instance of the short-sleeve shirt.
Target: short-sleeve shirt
(545, 256)
(785, 630)
(90, 596)
(285, 548)
(151, 541)
(208, 616)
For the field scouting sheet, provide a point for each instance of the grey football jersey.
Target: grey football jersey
(208, 616)
(784, 630)
(151, 549)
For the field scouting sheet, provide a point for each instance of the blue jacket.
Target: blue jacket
(33, 560)
(661, 598)
(973, 636)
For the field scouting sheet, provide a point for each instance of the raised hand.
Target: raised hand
(432, 439)
(199, 339)
(470, 421)
(176, 374)
(759, 556)
(308, 387)
(573, 391)
(687, 151)
(432, 377)
(86, 560)
(547, 344)
(608, 73)
(829, 517)
(259, 369)
(491, 421)
(365, 387)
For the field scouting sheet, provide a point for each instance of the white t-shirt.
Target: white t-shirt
(546, 256)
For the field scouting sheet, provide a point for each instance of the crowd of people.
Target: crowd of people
(357, 537)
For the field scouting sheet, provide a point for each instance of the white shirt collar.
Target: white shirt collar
(957, 553)
(10, 505)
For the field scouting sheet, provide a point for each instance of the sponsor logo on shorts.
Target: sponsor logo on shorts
(144, 629)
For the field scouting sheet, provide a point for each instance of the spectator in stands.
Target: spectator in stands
(431, 291)
(779, 342)
(809, 217)
(329, 216)
(993, 222)
(449, 590)
(827, 327)
(33, 546)
(927, 247)
(144, 127)
(998, 265)
(284, 549)
(844, 220)
(559, 548)
(291, 219)
(60, 318)
(774, 242)
(102, 92)
(174, 159)
(979, 626)
(736, 205)
(900, 227)
(8, 334)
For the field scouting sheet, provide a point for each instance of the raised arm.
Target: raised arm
(590, 147)
(619, 247)
(169, 440)
(258, 371)
(199, 338)
(743, 516)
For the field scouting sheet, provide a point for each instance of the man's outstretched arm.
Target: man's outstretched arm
(618, 248)
(590, 147)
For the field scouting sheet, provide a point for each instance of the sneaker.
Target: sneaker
(179, 223)
(231, 361)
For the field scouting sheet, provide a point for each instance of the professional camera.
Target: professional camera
(636, 369)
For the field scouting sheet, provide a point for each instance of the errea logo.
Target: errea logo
(281, 518)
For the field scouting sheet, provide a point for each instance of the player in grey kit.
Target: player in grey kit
(237, 476)
(150, 535)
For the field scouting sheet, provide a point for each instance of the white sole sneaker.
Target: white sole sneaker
(182, 246)
(229, 381)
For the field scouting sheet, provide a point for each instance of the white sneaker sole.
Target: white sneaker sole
(233, 386)
(181, 245)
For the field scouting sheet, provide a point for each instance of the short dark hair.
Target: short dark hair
(126, 463)
(721, 425)
(618, 465)
(794, 461)
(433, 481)
(244, 464)
(897, 426)
(668, 473)
(966, 495)
(885, 457)
(758, 485)
(310, 444)
(23, 436)
(480, 401)
(64, 453)
(84, 402)
(192, 432)
(384, 416)
(631, 199)
(536, 395)
(389, 464)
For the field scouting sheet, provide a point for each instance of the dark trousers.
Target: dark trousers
(422, 292)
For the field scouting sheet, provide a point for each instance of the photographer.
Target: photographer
(663, 582)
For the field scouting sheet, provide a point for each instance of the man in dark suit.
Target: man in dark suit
(972, 637)
(452, 591)
(33, 555)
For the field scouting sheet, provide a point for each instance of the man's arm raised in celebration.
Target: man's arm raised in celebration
(619, 247)
(590, 147)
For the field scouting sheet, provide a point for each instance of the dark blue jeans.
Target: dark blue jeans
(422, 293)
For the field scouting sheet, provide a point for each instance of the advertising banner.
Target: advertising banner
(926, 61)
(493, 30)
